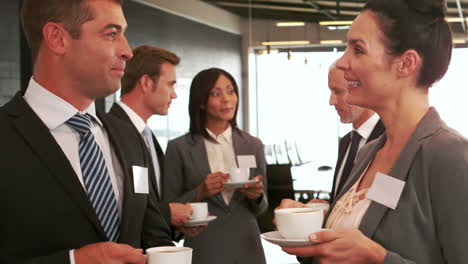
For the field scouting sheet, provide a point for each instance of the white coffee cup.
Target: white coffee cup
(239, 174)
(169, 255)
(298, 223)
(199, 211)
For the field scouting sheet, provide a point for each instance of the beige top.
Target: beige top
(350, 209)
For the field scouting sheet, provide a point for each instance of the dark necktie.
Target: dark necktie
(96, 177)
(355, 139)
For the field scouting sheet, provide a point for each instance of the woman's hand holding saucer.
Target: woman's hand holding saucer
(341, 246)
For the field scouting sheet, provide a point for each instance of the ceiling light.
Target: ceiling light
(285, 43)
(335, 23)
(345, 27)
(455, 19)
(331, 42)
(290, 24)
(272, 51)
(459, 41)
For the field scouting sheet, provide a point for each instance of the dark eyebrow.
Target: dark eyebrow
(354, 41)
(116, 26)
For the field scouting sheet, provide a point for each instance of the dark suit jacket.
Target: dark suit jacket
(45, 210)
(343, 146)
(118, 112)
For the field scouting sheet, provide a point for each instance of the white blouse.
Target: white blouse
(221, 156)
(350, 208)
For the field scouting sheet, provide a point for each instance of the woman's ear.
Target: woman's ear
(409, 63)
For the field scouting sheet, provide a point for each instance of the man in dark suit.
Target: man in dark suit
(148, 89)
(72, 190)
(366, 127)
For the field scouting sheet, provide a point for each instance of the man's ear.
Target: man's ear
(146, 84)
(409, 63)
(56, 38)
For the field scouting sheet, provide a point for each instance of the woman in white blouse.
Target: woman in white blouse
(399, 204)
(197, 165)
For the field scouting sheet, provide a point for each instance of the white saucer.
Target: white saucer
(201, 221)
(276, 238)
(239, 184)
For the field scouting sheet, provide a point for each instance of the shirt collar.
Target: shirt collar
(134, 117)
(366, 128)
(226, 135)
(51, 109)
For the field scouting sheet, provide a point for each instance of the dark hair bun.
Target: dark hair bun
(433, 8)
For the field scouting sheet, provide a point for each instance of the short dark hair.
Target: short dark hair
(71, 14)
(200, 89)
(419, 25)
(146, 60)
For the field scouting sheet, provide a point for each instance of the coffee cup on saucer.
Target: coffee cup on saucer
(298, 223)
(199, 211)
(239, 175)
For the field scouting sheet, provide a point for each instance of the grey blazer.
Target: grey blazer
(234, 237)
(428, 226)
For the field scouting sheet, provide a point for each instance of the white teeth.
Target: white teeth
(353, 83)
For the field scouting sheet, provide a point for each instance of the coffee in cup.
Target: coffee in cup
(169, 255)
(298, 223)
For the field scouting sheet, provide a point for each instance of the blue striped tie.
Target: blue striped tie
(96, 177)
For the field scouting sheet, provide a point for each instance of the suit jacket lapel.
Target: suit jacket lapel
(426, 127)
(378, 130)
(200, 159)
(129, 204)
(342, 147)
(160, 157)
(117, 111)
(43, 144)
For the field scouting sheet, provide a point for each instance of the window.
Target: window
(292, 107)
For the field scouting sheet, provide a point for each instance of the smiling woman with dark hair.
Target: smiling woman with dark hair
(197, 165)
(397, 205)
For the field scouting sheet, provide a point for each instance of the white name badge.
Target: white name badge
(246, 161)
(140, 179)
(386, 190)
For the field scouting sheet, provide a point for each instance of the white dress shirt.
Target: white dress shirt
(140, 125)
(364, 131)
(54, 112)
(221, 156)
